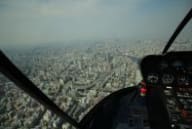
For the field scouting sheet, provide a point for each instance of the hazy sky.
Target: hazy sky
(41, 21)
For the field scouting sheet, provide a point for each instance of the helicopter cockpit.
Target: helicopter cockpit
(162, 100)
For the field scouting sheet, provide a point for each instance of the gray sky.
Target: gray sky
(41, 21)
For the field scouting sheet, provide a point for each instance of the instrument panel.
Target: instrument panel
(173, 69)
(172, 73)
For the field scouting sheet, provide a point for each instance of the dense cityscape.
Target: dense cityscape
(75, 77)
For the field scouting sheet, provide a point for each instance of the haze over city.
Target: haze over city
(45, 21)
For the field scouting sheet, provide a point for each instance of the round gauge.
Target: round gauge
(152, 78)
(167, 79)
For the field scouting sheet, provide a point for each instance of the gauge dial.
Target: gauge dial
(167, 79)
(152, 78)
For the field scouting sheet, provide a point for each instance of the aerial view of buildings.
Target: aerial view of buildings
(75, 76)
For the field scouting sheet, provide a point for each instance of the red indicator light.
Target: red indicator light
(143, 91)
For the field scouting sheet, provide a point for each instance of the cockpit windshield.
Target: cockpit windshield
(78, 52)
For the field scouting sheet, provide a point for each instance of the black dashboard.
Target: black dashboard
(169, 77)
(173, 69)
